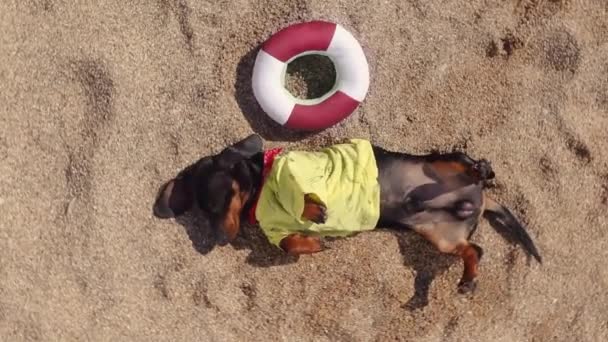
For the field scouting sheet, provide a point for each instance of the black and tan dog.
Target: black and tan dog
(439, 196)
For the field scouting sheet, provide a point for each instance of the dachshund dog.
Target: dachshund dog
(438, 195)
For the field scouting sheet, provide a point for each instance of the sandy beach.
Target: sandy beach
(103, 101)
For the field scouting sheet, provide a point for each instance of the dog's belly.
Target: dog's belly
(399, 179)
(411, 196)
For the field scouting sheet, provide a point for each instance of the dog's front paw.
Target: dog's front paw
(314, 210)
(467, 287)
(321, 216)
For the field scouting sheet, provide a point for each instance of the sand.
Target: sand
(101, 102)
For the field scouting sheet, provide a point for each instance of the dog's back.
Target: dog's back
(342, 178)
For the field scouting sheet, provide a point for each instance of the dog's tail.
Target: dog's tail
(505, 223)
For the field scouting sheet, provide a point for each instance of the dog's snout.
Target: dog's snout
(221, 238)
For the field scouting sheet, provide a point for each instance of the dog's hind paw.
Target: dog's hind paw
(467, 287)
(482, 170)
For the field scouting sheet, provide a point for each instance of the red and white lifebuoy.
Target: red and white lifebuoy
(315, 37)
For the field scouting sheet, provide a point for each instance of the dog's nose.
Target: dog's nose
(221, 238)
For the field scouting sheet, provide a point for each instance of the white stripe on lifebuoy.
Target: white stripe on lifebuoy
(352, 75)
(350, 63)
(268, 87)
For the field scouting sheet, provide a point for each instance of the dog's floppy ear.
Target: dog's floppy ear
(174, 198)
(243, 149)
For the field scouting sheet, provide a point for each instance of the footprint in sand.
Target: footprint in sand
(562, 51)
(98, 88)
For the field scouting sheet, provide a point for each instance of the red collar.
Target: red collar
(269, 157)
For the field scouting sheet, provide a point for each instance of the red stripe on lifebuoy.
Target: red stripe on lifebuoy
(299, 38)
(322, 115)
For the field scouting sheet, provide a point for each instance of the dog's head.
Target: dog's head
(221, 185)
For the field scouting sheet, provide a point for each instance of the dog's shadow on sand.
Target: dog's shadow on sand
(417, 253)
(426, 261)
(251, 238)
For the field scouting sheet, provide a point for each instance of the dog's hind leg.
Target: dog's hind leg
(470, 254)
(453, 239)
(450, 164)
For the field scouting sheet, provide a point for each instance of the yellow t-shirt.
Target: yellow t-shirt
(344, 177)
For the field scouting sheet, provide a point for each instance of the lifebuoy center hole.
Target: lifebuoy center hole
(310, 76)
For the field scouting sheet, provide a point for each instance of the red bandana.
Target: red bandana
(268, 161)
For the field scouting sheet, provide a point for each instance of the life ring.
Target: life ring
(314, 37)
